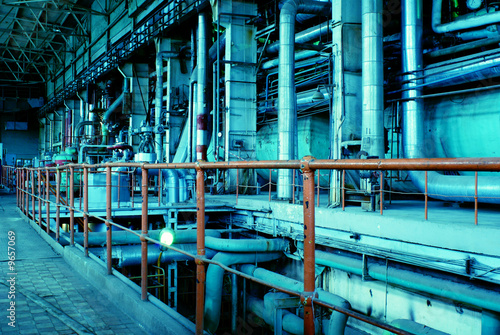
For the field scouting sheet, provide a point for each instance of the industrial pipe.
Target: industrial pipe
(202, 110)
(460, 24)
(130, 255)
(337, 320)
(304, 36)
(214, 282)
(443, 286)
(245, 245)
(372, 79)
(449, 188)
(287, 112)
(172, 183)
(112, 108)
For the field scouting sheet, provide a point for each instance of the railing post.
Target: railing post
(270, 183)
(86, 210)
(108, 219)
(200, 245)
(58, 202)
(25, 193)
(309, 245)
(26, 190)
(144, 242)
(237, 185)
(475, 198)
(17, 189)
(33, 195)
(319, 174)
(47, 198)
(159, 187)
(40, 197)
(343, 190)
(72, 205)
(381, 192)
(293, 187)
(426, 196)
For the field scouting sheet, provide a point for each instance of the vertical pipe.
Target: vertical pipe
(200, 246)
(72, 205)
(159, 100)
(237, 184)
(381, 192)
(475, 198)
(86, 210)
(40, 197)
(67, 185)
(20, 187)
(33, 195)
(81, 188)
(160, 187)
(108, 219)
(234, 303)
(144, 243)
(319, 174)
(25, 190)
(47, 198)
(202, 115)
(309, 245)
(426, 196)
(58, 202)
(343, 190)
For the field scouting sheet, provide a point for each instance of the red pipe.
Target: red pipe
(270, 184)
(33, 195)
(237, 184)
(381, 192)
(475, 198)
(343, 190)
(309, 245)
(200, 246)
(47, 197)
(39, 197)
(108, 219)
(144, 242)
(86, 210)
(72, 205)
(58, 203)
(426, 196)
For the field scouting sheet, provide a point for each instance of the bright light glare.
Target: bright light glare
(167, 236)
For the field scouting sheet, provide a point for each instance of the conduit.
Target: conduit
(459, 24)
(337, 320)
(287, 111)
(372, 79)
(214, 281)
(448, 188)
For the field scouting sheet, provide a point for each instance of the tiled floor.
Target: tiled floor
(49, 298)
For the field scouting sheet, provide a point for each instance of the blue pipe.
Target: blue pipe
(215, 275)
(245, 245)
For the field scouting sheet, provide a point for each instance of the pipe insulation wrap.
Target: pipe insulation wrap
(214, 282)
(287, 110)
(448, 188)
(372, 79)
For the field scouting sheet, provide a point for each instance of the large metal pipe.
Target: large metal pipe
(287, 111)
(130, 255)
(245, 245)
(443, 286)
(214, 282)
(449, 188)
(112, 108)
(460, 24)
(337, 320)
(202, 68)
(372, 79)
(304, 36)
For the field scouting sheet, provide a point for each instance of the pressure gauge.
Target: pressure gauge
(474, 4)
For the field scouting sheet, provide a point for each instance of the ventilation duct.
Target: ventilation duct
(450, 188)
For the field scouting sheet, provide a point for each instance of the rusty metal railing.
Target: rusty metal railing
(307, 165)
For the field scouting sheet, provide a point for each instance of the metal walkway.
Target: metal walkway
(43, 293)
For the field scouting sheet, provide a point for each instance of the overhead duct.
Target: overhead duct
(287, 111)
(450, 188)
(459, 24)
(372, 79)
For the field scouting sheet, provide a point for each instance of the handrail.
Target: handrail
(308, 165)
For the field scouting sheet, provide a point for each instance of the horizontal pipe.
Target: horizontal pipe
(245, 245)
(130, 255)
(419, 164)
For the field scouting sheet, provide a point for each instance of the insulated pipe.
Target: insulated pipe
(443, 286)
(305, 54)
(245, 245)
(130, 255)
(202, 110)
(460, 24)
(215, 275)
(112, 108)
(448, 188)
(125, 237)
(287, 111)
(337, 320)
(304, 36)
(372, 79)
(172, 182)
